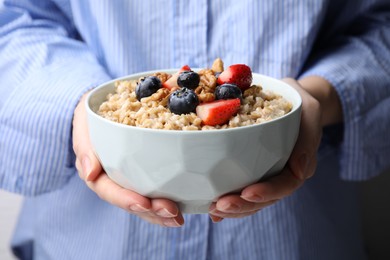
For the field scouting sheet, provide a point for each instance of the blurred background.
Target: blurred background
(375, 201)
(9, 208)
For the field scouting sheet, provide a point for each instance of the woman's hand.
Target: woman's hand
(157, 211)
(302, 162)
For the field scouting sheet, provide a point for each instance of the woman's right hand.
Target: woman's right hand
(163, 212)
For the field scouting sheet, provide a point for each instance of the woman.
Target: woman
(53, 51)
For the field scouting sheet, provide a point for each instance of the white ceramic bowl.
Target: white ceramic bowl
(192, 168)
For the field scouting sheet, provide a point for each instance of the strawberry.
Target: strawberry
(238, 74)
(217, 112)
(171, 83)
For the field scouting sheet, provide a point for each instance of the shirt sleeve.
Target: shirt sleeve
(357, 64)
(44, 72)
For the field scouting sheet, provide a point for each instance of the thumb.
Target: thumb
(87, 163)
(303, 158)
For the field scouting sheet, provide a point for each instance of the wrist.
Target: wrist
(324, 92)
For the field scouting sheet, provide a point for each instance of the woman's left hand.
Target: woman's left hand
(301, 165)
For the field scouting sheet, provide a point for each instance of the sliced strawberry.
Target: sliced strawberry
(217, 112)
(238, 74)
(171, 83)
(185, 68)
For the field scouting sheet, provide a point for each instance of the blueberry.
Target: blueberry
(147, 86)
(183, 101)
(188, 79)
(227, 91)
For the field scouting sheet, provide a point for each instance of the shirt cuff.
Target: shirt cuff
(361, 87)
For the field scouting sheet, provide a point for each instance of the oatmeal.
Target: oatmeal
(190, 100)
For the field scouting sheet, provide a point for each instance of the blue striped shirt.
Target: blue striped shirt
(53, 51)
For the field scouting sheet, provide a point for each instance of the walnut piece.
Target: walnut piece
(159, 96)
(208, 81)
(206, 97)
(217, 65)
(162, 76)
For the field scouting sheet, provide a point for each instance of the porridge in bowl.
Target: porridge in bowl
(187, 100)
(171, 153)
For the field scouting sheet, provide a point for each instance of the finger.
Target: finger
(165, 208)
(275, 188)
(153, 218)
(309, 136)
(235, 204)
(87, 164)
(168, 212)
(126, 199)
(78, 167)
(177, 221)
(221, 214)
(158, 211)
(311, 167)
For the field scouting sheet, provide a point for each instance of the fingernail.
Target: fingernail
(216, 219)
(138, 208)
(229, 207)
(171, 223)
(253, 198)
(303, 164)
(86, 166)
(165, 213)
(214, 211)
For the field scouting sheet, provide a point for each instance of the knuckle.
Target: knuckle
(313, 103)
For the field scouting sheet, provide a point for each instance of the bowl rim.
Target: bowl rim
(92, 113)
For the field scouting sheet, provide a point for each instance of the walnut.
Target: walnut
(252, 91)
(198, 90)
(162, 76)
(164, 101)
(206, 97)
(208, 81)
(158, 96)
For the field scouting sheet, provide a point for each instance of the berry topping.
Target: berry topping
(238, 74)
(217, 112)
(188, 79)
(171, 83)
(147, 86)
(227, 91)
(183, 101)
(184, 68)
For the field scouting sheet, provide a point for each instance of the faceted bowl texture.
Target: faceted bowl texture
(192, 168)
